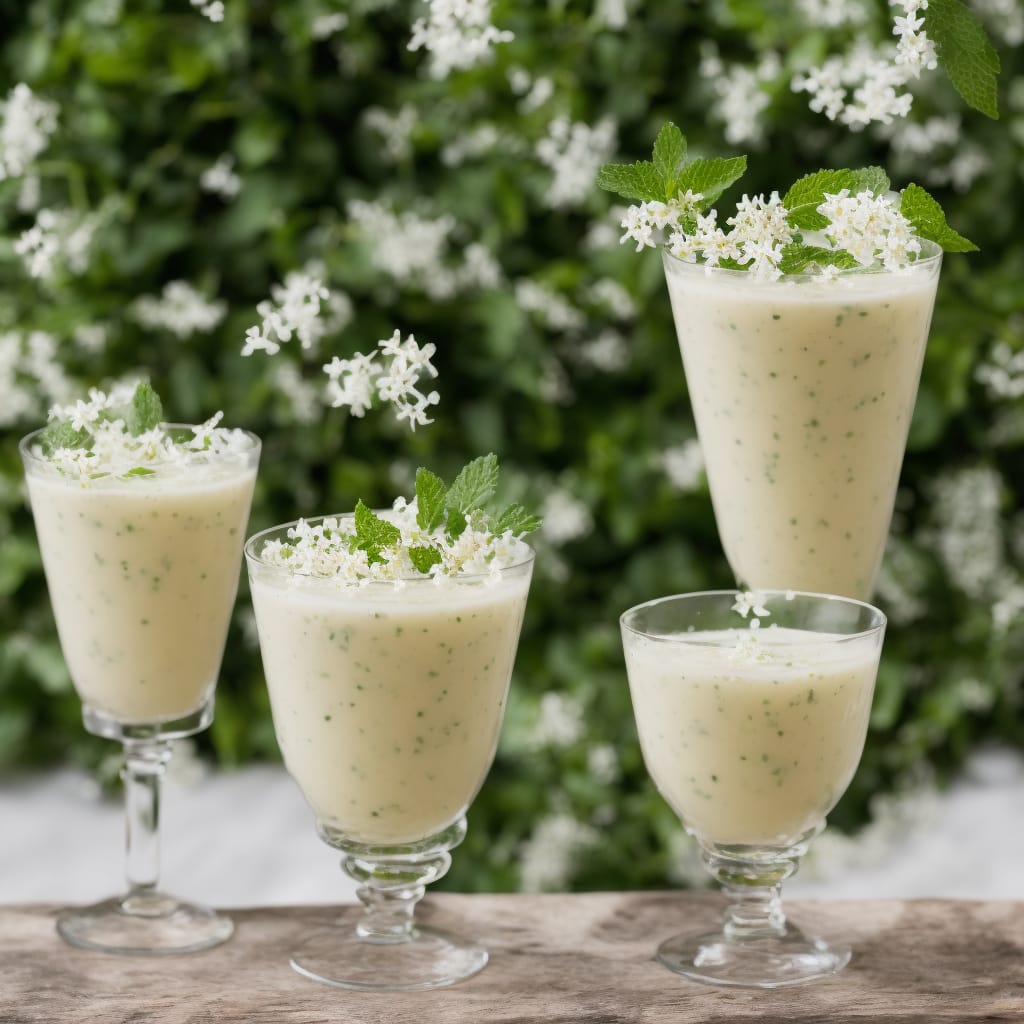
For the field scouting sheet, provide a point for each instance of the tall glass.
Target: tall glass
(803, 391)
(387, 701)
(142, 573)
(752, 736)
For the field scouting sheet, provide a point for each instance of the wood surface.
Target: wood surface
(554, 959)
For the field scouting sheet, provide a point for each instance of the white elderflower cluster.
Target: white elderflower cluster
(574, 152)
(1002, 374)
(302, 396)
(566, 517)
(212, 9)
(760, 231)
(59, 240)
(833, 13)
(1005, 16)
(30, 375)
(607, 351)
(30, 194)
(395, 129)
(613, 14)
(323, 26)
(179, 309)
(553, 310)
(534, 92)
(26, 124)
(559, 722)
(740, 92)
(293, 310)
(645, 223)
(876, 76)
(610, 294)
(457, 34)
(902, 582)
(683, 464)
(328, 549)
(220, 178)
(751, 602)
(547, 858)
(389, 374)
(478, 142)
(869, 227)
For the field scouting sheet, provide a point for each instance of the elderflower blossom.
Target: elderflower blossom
(30, 375)
(641, 222)
(741, 93)
(566, 517)
(180, 309)
(26, 124)
(110, 450)
(748, 601)
(457, 34)
(547, 858)
(683, 464)
(395, 129)
(574, 152)
(220, 178)
(613, 14)
(355, 383)
(213, 10)
(833, 13)
(59, 239)
(293, 310)
(869, 226)
(323, 26)
(1005, 16)
(1002, 373)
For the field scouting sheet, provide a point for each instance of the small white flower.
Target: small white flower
(26, 124)
(748, 601)
(180, 309)
(323, 26)
(457, 34)
(220, 177)
(574, 152)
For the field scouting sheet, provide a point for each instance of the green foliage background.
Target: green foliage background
(152, 96)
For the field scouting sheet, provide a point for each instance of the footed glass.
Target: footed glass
(142, 573)
(802, 393)
(752, 735)
(387, 700)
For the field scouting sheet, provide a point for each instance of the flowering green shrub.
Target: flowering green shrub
(166, 164)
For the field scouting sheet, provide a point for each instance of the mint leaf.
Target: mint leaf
(430, 499)
(145, 412)
(373, 534)
(516, 519)
(711, 177)
(424, 557)
(456, 523)
(797, 259)
(929, 220)
(474, 485)
(807, 194)
(965, 53)
(62, 435)
(669, 156)
(140, 471)
(633, 181)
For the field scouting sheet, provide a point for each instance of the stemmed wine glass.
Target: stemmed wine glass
(752, 735)
(143, 570)
(387, 698)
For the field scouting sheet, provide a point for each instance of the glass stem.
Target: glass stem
(142, 773)
(389, 888)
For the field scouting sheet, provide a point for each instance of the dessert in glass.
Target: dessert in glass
(141, 540)
(387, 697)
(752, 735)
(802, 390)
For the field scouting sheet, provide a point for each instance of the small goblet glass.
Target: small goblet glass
(752, 735)
(387, 698)
(142, 572)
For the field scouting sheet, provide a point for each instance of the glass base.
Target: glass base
(771, 962)
(429, 959)
(153, 925)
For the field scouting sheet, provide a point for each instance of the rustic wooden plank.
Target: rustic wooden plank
(555, 959)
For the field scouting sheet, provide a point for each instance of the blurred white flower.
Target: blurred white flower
(323, 26)
(394, 128)
(475, 143)
(683, 464)
(607, 351)
(59, 239)
(1002, 373)
(553, 310)
(457, 34)
(180, 309)
(212, 9)
(833, 13)
(740, 92)
(547, 858)
(31, 376)
(91, 338)
(30, 194)
(559, 722)
(26, 124)
(566, 517)
(613, 296)
(302, 396)
(220, 177)
(1005, 16)
(614, 14)
(603, 764)
(901, 583)
(294, 309)
(574, 152)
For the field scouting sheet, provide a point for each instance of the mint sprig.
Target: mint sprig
(801, 259)
(807, 194)
(929, 220)
(145, 412)
(374, 534)
(965, 54)
(667, 175)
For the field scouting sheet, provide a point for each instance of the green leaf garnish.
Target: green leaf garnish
(430, 499)
(424, 557)
(807, 194)
(669, 156)
(140, 471)
(145, 412)
(61, 434)
(711, 177)
(474, 485)
(517, 519)
(633, 181)
(965, 53)
(799, 259)
(373, 534)
(929, 221)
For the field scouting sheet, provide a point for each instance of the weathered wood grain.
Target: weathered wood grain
(555, 959)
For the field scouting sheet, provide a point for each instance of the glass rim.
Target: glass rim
(931, 256)
(252, 558)
(30, 457)
(880, 618)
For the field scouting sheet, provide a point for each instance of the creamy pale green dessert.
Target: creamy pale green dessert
(803, 390)
(752, 739)
(142, 574)
(387, 702)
